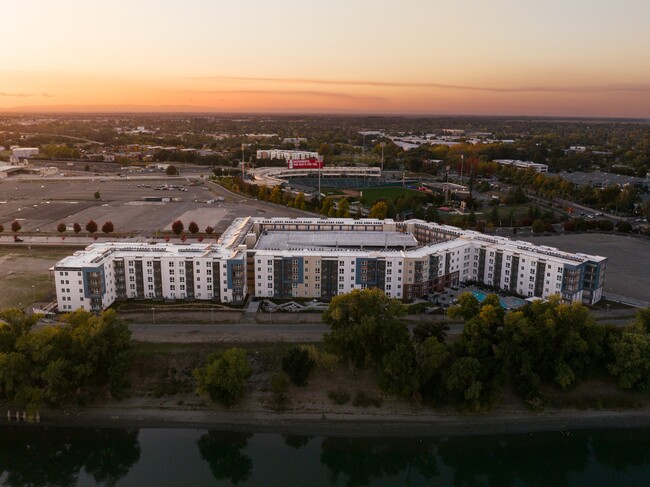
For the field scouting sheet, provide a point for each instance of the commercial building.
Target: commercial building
(287, 155)
(24, 152)
(541, 168)
(320, 258)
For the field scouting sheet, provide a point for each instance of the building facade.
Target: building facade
(281, 258)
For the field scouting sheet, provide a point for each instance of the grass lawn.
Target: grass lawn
(370, 195)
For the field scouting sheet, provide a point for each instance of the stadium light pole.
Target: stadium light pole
(382, 145)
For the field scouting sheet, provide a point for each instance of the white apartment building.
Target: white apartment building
(320, 258)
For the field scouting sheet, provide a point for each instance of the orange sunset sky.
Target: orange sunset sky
(505, 57)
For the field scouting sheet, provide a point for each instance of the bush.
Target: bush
(222, 379)
(279, 383)
(363, 400)
(623, 227)
(297, 364)
(325, 361)
(339, 397)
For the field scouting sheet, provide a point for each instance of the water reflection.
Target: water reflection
(56, 456)
(363, 459)
(542, 459)
(223, 452)
(40, 456)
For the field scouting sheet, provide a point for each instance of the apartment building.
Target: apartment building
(318, 258)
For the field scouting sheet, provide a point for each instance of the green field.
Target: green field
(370, 195)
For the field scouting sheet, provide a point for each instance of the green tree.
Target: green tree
(15, 226)
(297, 364)
(222, 378)
(171, 170)
(61, 228)
(379, 210)
(97, 195)
(400, 374)
(631, 364)
(538, 226)
(463, 381)
(365, 326)
(193, 228)
(76, 228)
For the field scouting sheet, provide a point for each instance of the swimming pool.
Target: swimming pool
(509, 302)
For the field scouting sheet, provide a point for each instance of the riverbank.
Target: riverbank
(349, 425)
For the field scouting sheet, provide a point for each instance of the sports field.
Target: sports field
(370, 195)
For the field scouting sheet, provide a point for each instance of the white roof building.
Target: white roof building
(320, 258)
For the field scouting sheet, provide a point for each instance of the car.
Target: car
(17, 239)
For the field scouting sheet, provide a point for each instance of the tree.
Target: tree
(107, 227)
(61, 228)
(365, 326)
(631, 364)
(209, 230)
(91, 227)
(538, 226)
(177, 227)
(222, 378)
(15, 226)
(399, 374)
(379, 210)
(2, 228)
(463, 381)
(343, 208)
(276, 195)
(76, 228)
(435, 329)
(297, 364)
(97, 195)
(171, 170)
(193, 228)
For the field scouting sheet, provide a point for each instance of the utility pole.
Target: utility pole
(382, 145)
(462, 163)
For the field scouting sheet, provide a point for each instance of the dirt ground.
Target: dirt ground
(22, 267)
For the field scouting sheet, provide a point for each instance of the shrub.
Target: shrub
(297, 364)
(325, 361)
(339, 397)
(363, 400)
(223, 376)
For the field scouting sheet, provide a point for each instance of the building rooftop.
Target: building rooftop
(357, 240)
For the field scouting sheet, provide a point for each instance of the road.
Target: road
(239, 332)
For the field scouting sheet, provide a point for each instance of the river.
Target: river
(40, 456)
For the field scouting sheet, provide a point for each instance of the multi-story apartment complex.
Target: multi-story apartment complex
(320, 258)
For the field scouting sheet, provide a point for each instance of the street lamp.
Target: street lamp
(212, 316)
(153, 312)
(33, 294)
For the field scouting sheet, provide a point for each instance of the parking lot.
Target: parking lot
(628, 267)
(40, 205)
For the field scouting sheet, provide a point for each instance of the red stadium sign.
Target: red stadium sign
(312, 163)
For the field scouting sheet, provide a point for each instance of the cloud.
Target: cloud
(14, 95)
(23, 95)
(322, 94)
(614, 87)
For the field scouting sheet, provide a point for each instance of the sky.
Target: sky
(432, 57)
